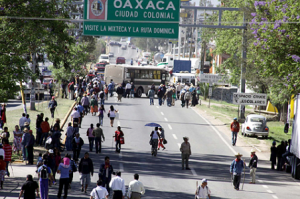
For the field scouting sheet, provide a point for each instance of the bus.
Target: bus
(142, 76)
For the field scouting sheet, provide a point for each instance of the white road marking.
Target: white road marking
(161, 113)
(121, 167)
(119, 123)
(179, 145)
(218, 133)
(274, 196)
(166, 119)
(265, 186)
(175, 137)
(157, 106)
(269, 191)
(193, 172)
(169, 126)
(120, 155)
(255, 148)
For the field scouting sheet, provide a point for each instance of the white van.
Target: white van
(104, 58)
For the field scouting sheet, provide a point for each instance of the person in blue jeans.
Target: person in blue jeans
(235, 128)
(64, 169)
(236, 169)
(44, 179)
(151, 94)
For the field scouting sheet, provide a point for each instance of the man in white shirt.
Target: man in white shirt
(128, 89)
(22, 120)
(136, 188)
(203, 191)
(75, 116)
(99, 192)
(117, 184)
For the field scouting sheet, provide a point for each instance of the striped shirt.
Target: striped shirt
(8, 150)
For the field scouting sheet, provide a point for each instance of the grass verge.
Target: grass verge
(13, 117)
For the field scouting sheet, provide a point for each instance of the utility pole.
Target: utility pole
(32, 92)
(243, 70)
(203, 47)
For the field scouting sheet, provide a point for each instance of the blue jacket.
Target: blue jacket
(110, 86)
(102, 172)
(25, 139)
(52, 104)
(237, 167)
(80, 109)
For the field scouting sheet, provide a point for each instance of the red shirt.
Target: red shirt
(8, 151)
(2, 165)
(118, 134)
(235, 127)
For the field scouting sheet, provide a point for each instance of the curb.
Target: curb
(67, 116)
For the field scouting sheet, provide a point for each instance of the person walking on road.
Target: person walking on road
(64, 169)
(273, 155)
(132, 90)
(111, 87)
(70, 136)
(77, 143)
(118, 136)
(94, 106)
(185, 150)
(120, 92)
(45, 128)
(136, 188)
(117, 184)
(102, 97)
(162, 139)
(86, 169)
(235, 128)
(52, 105)
(105, 172)
(101, 114)
(154, 141)
(187, 98)
(151, 94)
(128, 89)
(29, 188)
(75, 116)
(91, 137)
(22, 121)
(160, 94)
(253, 166)
(99, 192)
(202, 190)
(98, 134)
(112, 114)
(236, 169)
(44, 173)
(86, 104)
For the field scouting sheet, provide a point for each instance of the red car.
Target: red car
(120, 60)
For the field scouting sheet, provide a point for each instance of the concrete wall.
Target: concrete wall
(224, 94)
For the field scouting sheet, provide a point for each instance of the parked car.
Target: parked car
(255, 125)
(120, 60)
(124, 47)
(111, 54)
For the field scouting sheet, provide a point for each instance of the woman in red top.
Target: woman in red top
(2, 171)
(8, 151)
(118, 134)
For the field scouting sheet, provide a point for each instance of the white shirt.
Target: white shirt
(22, 121)
(2, 153)
(135, 186)
(203, 192)
(75, 114)
(128, 86)
(117, 184)
(99, 191)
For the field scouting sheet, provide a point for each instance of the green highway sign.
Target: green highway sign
(136, 18)
(133, 10)
(131, 29)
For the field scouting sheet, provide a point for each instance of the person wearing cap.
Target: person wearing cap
(273, 155)
(52, 105)
(236, 169)
(185, 149)
(253, 166)
(203, 191)
(29, 188)
(117, 184)
(24, 141)
(235, 128)
(29, 147)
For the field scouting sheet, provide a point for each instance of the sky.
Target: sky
(214, 2)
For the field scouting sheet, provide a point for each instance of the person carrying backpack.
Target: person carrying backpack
(202, 190)
(43, 173)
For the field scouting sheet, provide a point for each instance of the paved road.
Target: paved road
(162, 175)
(118, 52)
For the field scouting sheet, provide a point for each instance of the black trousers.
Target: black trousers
(237, 181)
(52, 112)
(70, 177)
(76, 153)
(98, 144)
(63, 183)
(117, 195)
(105, 183)
(30, 154)
(118, 146)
